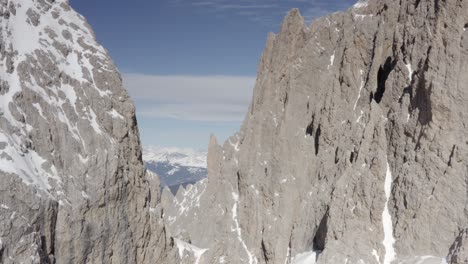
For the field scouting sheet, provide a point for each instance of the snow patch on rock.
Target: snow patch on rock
(184, 246)
(332, 60)
(309, 257)
(361, 72)
(389, 240)
(237, 229)
(410, 72)
(361, 4)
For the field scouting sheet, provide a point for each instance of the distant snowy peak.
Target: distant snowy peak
(175, 156)
(176, 166)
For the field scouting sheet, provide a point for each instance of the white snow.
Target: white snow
(376, 255)
(332, 60)
(194, 170)
(236, 145)
(360, 116)
(309, 257)
(4, 206)
(26, 41)
(191, 197)
(39, 110)
(288, 253)
(389, 240)
(82, 159)
(361, 4)
(361, 17)
(410, 72)
(115, 114)
(235, 196)
(360, 89)
(94, 123)
(255, 189)
(173, 170)
(184, 246)
(175, 156)
(84, 195)
(28, 166)
(74, 67)
(237, 229)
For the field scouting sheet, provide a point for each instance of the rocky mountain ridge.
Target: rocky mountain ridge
(73, 185)
(354, 149)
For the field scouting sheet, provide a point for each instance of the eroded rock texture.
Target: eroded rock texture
(354, 148)
(73, 188)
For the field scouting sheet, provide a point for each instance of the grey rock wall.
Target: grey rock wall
(73, 188)
(354, 148)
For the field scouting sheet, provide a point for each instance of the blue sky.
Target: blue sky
(190, 65)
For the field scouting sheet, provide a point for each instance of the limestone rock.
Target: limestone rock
(459, 249)
(354, 148)
(73, 187)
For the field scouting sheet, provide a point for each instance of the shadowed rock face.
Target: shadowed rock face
(459, 249)
(354, 147)
(73, 188)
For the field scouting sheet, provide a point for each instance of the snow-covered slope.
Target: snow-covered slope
(176, 166)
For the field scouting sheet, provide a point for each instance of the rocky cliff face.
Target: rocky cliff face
(354, 149)
(73, 187)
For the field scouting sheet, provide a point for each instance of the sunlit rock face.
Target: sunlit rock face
(354, 149)
(73, 187)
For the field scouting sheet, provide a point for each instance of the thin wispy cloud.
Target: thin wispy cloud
(268, 12)
(194, 98)
(216, 98)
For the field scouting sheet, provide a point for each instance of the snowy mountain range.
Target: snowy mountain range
(175, 166)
